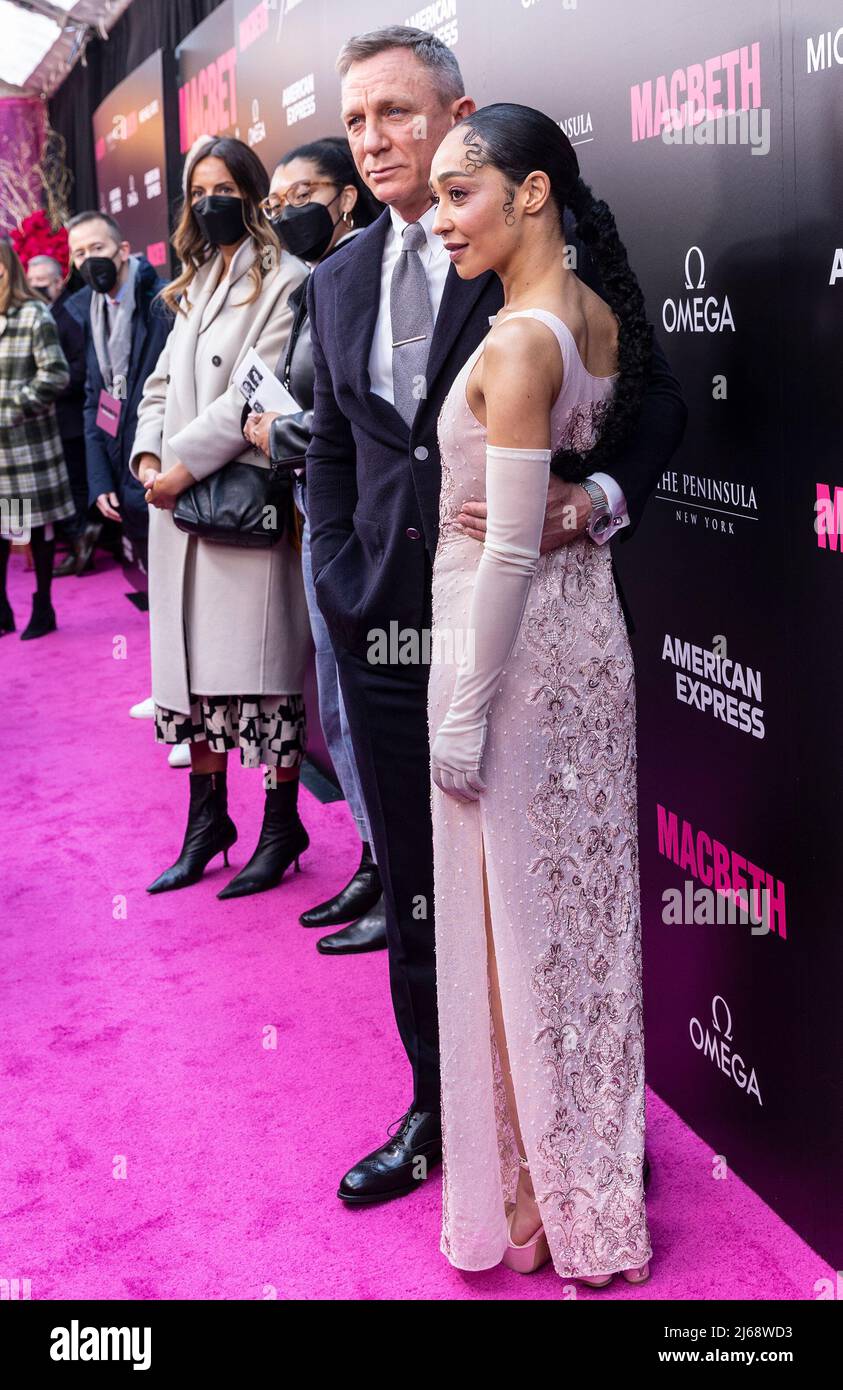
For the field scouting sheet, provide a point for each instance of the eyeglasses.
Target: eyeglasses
(296, 195)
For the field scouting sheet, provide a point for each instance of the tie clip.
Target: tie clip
(419, 338)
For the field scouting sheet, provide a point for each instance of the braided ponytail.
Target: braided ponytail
(597, 230)
(516, 140)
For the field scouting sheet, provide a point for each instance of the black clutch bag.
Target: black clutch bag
(241, 504)
(289, 436)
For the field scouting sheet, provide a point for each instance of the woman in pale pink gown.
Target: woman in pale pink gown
(532, 727)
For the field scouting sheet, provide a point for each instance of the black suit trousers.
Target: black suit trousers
(386, 707)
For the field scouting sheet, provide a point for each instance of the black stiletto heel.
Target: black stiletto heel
(210, 830)
(282, 839)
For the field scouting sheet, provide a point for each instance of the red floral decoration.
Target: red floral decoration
(35, 237)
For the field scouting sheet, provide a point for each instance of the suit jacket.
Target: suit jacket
(373, 482)
(70, 404)
(107, 459)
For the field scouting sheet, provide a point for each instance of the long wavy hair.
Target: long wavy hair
(14, 287)
(187, 241)
(516, 140)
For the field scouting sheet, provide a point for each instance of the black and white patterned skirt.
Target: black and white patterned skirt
(268, 729)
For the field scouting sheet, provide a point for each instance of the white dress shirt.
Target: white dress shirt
(437, 263)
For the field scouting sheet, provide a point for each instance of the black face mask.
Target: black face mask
(100, 273)
(306, 231)
(220, 218)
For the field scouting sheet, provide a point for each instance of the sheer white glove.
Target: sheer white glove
(516, 500)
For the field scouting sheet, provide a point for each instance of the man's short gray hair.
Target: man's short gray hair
(435, 55)
(48, 261)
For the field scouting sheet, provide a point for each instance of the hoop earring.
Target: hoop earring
(346, 218)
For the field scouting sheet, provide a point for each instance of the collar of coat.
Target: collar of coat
(241, 263)
(209, 291)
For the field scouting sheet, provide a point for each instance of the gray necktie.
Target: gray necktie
(412, 323)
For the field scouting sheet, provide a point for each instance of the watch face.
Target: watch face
(600, 524)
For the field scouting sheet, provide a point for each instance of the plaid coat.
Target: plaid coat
(33, 371)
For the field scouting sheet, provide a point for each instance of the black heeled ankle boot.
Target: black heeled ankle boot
(358, 897)
(210, 830)
(43, 618)
(282, 839)
(7, 617)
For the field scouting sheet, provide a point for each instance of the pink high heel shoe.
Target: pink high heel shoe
(527, 1258)
(638, 1275)
(534, 1253)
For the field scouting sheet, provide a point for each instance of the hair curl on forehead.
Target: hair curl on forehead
(475, 156)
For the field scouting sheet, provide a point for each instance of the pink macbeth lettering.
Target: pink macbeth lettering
(208, 102)
(829, 518)
(720, 868)
(719, 86)
(254, 26)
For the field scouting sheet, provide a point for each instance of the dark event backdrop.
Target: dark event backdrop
(130, 148)
(734, 583)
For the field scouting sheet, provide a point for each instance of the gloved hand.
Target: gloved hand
(516, 498)
(456, 756)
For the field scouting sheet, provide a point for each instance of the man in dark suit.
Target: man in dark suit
(374, 481)
(140, 328)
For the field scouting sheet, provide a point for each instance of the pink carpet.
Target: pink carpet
(137, 1038)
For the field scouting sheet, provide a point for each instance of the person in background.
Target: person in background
(47, 279)
(317, 201)
(229, 625)
(128, 326)
(34, 487)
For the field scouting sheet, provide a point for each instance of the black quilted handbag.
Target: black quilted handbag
(241, 504)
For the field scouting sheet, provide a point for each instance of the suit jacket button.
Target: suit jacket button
(412, 533)
(217, 361)
(420, 452)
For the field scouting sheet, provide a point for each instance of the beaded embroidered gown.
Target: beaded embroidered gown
(558, 831)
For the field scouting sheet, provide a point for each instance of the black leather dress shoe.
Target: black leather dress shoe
(69, 564)
(646, 1171)
(395, 1169)
(87, 545)
(368, 933)
(356, 898)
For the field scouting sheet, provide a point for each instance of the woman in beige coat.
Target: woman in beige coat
(229, 625)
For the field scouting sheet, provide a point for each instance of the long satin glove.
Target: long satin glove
(516, 501)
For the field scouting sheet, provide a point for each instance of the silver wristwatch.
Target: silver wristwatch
(600, 520)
